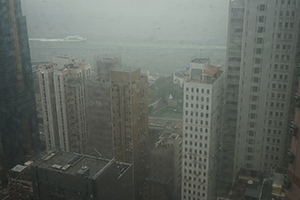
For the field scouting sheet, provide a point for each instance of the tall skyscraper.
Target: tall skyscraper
(18, 121)
(129, 97)
(262, 37)
(62, 92)
(202, 120)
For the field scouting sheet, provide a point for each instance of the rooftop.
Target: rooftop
(200, 60)
(211, 71)
(66, 56)
(248, 183)
(73, 163)
(18, 168)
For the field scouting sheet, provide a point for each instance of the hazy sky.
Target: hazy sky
(155, 19)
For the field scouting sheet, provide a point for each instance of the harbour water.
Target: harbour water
(156, 56)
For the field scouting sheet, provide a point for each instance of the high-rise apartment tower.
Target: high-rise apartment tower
(62, 92)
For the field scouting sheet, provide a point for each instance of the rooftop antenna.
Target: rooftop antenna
(98, 152)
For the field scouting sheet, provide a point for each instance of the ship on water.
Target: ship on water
(75, 38)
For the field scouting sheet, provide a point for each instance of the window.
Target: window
(259, 40)
(293, 13)
(249, 158)
(261, 18)
(279, 35)
(255, 89)
(258, 51)
(252, 124)
(253, 107)
(254, 98)
(286, 25)
(260, 29)
(257, 60)
(262, 7)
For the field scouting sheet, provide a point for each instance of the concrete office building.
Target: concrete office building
(202, 120)
(63, 104)
(66, 175)
(164, 180)
(129, 97)
(18, 121)
(261, 59)
(103, 65)
(98, 106)
(232, 77)
(292, 180)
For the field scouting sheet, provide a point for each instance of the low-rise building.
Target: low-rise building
(20, 183)
(164, 181)
(66, 175)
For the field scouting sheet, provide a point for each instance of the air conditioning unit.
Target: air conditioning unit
(290, 157)
(293, 129)
(297, 100)
(286, 183)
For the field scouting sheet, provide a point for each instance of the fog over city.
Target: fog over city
(157, 36)
(162, 20)
(149, 99)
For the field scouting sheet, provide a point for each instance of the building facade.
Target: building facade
(20, 183)
(62, 93)
(164, 180)
(129, 97)
(232, 77)
(202, 120)
(98, 106)
(267, 63)
(292, 180)
(18, 121)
